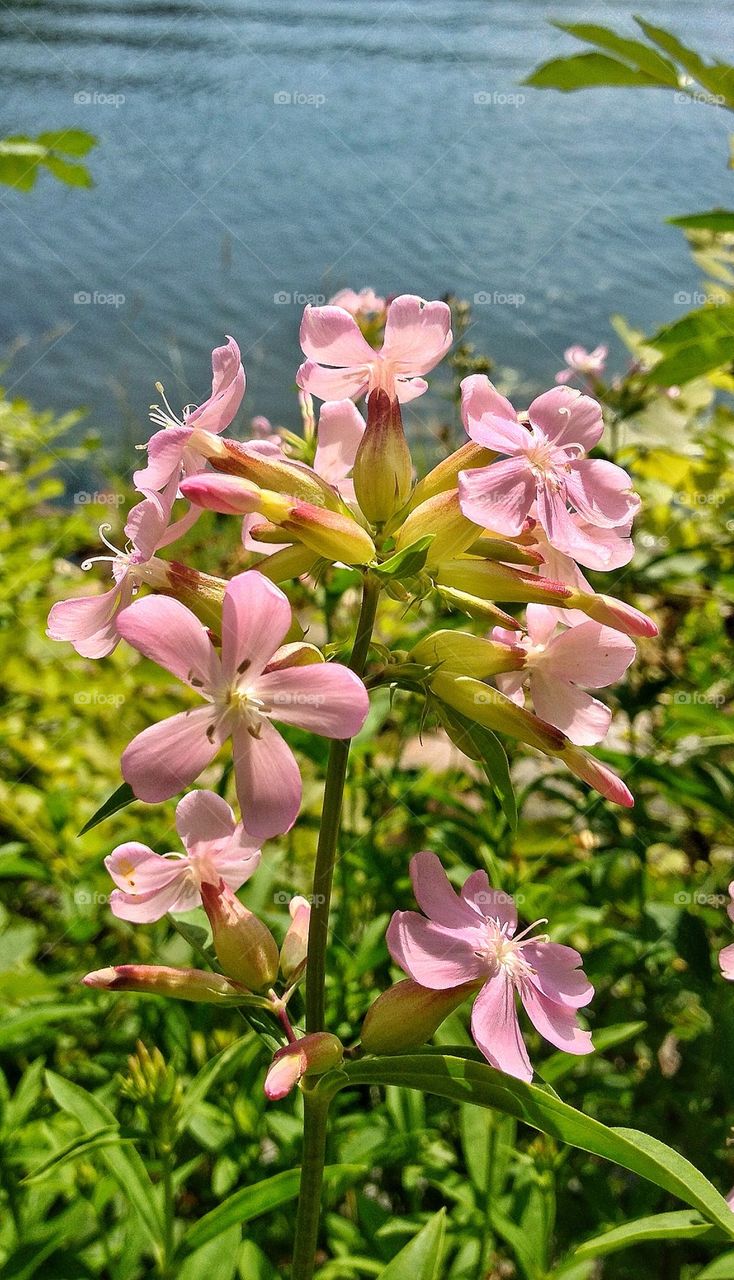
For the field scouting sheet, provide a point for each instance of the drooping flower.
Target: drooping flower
(589, 364)
(544, 463)
(726, 957)
(217, 848)
(89, 623)
(560, 665)
(245, 689)
(472, 936)
(341, 364)
(312, 1055)
(172, 452)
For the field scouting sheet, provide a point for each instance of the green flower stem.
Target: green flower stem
(315, 1106)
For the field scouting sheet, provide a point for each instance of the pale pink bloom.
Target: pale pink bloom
(590, 364)
(472, 937)
(217, 848)
(263, 430)
(726, 957)
(89, 623)
(366, 303)
(544, 464)
(560, 665)
(342, 365)
(245, 688)
(604, 549)
(170, 452)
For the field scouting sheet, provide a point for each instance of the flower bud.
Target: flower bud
(446, 474)
(383, 470)
(200, 592)
(613, 613)
(313, 1055)
(161, 980)
(597, 775)
(487, 706)
(329, 533)
(473, 607)
(441, 516)
(491, 548)
(291, 562)
(466, 655)
(245, 947)
(295, 944)
(491, 581)
(405, 1016)
(277, 473)
(230, 495)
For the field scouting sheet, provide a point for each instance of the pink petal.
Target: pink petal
(558, 973)
(407, 389)
(268, 781)
(726, 962)
(137, 869)
(146, 523)
(566, 417)
(434, 957)
(496, 1030)
(555, 1022)
(597, 775)
(541, 623)
(499, 496)
(561, 530)
(491, 904)
(582, 718)
(325, 698)
(590, 655)
(417, 334)
(601, 492)
(332, 336)
(165, 758)
(144, 908)
(604, 549)
(511, 683)
(333, 384)
(228, 388)
(168, 633)
(489, 418)
(165, 458)
(88, 623)
(202, 818)
(436, 897)
(256, 616)
(341, 427)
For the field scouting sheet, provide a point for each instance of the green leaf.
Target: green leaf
(588, 71)
(74, 175)
(109, 1136)
(70, 142)
(222, 1063)
(422, 1256)
(481, 744)
(20, 1028)
(406, 563)
(684, 1225)
(635, 53)
(217, 1258)
(466, 1080)
(713, 76)
(126, 1167)
(120, 799)
(243, 1206)
(713, 220)
(721, 1269)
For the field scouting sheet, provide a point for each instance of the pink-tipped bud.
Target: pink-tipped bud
(295, 944)
(312, 1056)
(613, 613)
(446, 474)
(492, 581)
(229, 495)
(245, 947)
(331, 534)
(161, 980)
(277, 473)
(466, 655)
(200, 592)
(405, 1016)
(441, 516)
(383, 469)
(597, 775)
(487, 706)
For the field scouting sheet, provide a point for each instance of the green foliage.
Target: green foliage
(23, 158)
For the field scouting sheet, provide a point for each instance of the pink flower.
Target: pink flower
(245, 688)
(559, 667)
(89, 623)
(217, 848)
(726, 957)
(471, 937)
(341, 364)
(589, 364)
(366, 303)
(171, 452)
(545, 464)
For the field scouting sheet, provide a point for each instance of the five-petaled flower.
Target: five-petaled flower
(217, 848)
(341, 364)
(544, 467)
(589, 364)
(559, 666)
(253, 682)
(472, 937)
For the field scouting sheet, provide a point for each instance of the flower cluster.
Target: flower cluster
(512, 517)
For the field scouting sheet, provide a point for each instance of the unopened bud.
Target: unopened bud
(383, 469)
(442, 517)
(161, 980)
(467, 655)
(290, 562)
(597, 775)
(613, 613)
(229, 495)
(245, 947)
(491, 581)
(329, 533)
(279, 474)
(491, 548)
(311, 1056)
(405, 1016)
(487, 706)
(473, 607)
(446, 474)
(200, 592)
(295, 944)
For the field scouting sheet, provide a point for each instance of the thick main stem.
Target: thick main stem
(315, 1107)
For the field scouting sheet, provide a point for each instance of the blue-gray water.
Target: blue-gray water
(216, 195)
